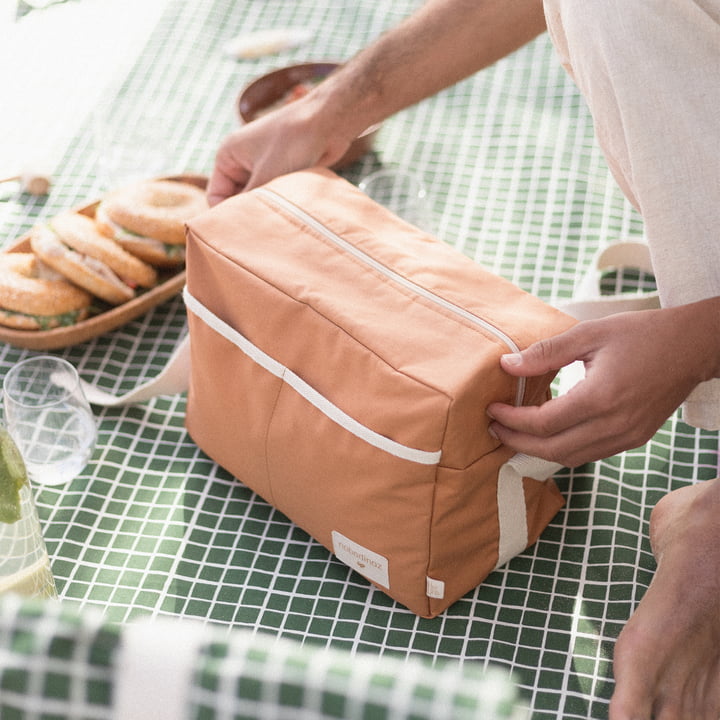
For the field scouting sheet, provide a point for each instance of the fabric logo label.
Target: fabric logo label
(368, 563)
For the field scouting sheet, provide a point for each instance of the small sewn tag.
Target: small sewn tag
(368, 563)
(435, 588)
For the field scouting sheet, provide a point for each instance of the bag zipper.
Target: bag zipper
(389, 273)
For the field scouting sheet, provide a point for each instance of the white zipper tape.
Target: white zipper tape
(329, 409)
(312, 222)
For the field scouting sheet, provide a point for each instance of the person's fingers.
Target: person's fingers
(230, 174)
(571, 429)
(575, 446)
(221, 186)
(256, 179)
(575, 428)
(550, 418)
(543, 356)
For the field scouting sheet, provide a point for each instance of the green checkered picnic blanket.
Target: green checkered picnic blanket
(153, 528)
(60, 663)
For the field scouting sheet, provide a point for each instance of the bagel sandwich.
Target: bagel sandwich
(36, 298)
(72, 245)
(148, 218)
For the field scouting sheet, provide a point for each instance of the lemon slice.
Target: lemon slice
(13, 476)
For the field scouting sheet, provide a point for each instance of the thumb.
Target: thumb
(541, 357)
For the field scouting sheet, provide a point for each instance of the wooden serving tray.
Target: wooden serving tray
(170, 283)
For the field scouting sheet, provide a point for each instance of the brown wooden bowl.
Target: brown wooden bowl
(171, 282)
(269, 89)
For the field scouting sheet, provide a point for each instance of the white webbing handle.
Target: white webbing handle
(174, 378)
(587, 302)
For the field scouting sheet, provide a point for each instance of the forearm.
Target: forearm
(700, 336)
(444, 42)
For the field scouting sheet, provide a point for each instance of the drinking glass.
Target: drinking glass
(130, 145)
(401, 192)
(24, 562)
(49, 418)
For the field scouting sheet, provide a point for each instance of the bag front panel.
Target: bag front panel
(329, 481)
(229, 406)
(381, 505)
(324, 355)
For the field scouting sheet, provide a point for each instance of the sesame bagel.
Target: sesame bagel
(151, 209)
(30, 300)
(72, 245)
(80, 233)
(149, 250)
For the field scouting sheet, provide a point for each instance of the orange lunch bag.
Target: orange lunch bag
(342, 362)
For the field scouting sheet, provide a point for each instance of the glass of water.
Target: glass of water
(49, 418)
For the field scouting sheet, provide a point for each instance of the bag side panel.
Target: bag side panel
(465, 528)
(543, 500)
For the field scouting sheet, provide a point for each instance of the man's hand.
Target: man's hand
(639, 368)
(283, 141)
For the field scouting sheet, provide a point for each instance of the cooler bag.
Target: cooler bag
(342, 362)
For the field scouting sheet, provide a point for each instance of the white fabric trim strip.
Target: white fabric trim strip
(422, 457)
(512, 512)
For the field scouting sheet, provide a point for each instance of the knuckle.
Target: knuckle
(542, 421)
(544, 427)
(560, 456)
(541, 351)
